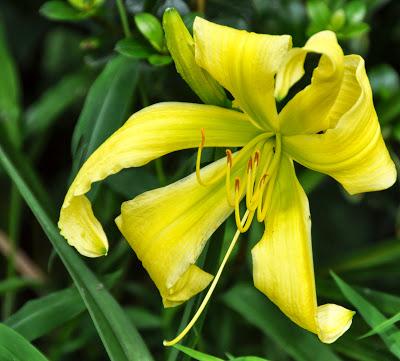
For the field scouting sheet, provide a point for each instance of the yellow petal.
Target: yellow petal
(307, 111)
(353, 152)
(245, 64)
(283, 263)
(169, 227)
(148, 134)
(181, 47)
(333, 321)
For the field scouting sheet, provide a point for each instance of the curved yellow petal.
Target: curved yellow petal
(169, 227)
(353, 151)
(245, 64)
(283, 264)
(148, 134)
(307, 111)
(181, 47)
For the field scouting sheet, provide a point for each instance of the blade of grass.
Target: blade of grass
(10, 110)
(260, 312)
(105, 108)
(42, 113)
(196, 355)
(16, 283)
(371, 315)
(13, 347)
(383, 326)
(120, 338)
(40, 316)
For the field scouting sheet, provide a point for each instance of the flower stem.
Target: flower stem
(124, 18)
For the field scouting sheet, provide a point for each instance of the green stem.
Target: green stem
(124, 18)
(13, 233)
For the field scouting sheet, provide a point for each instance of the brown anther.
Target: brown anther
(262, 180)
(229, 157)
(250, 165)
(256, 157)
(237, 184)
(203, 137)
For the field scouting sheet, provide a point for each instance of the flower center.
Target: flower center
(255, 184)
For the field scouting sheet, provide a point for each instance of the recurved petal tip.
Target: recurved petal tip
(81, 229)
(333, 321)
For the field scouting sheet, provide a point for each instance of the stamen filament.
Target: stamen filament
(263, 206)
(228, 178)
(242, 228)
(210, 290)
(198, 160)
(237, 158)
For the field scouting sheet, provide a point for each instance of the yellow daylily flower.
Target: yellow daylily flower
(330, 126)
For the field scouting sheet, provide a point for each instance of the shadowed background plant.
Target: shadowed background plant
(71, 75)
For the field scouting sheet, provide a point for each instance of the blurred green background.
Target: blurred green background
(70, 74)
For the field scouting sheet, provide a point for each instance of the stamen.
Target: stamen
(198, 160)
(256, 157)
(210, 290)
(228, 177)
(270, 178)
(242, 228)
(198, 164)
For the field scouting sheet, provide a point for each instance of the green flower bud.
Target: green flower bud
(86, 5)
(181, 47)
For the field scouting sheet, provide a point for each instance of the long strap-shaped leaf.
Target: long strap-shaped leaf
(14, 347)
(120, 338)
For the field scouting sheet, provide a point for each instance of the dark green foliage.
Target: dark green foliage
(69, 77)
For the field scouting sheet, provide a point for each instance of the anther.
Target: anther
(229, 158)
(237, 185)
(256, 157)
(249, 165)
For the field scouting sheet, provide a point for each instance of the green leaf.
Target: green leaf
(353, 31)
(197, 355)
(62, 11)
(15, 283)
(9, 90)
(371, 315)
(389, 109)
(355, 11)
(261, 313)
(120, 338)
(319, 13)
(13, 347)
(38, 317)
(133, 48)
(310, 179)
(384, 80)
(249, 358)
(143, 319)
(41, 114)
(151, 29)
(372, 256)
(159, 60)
(105, 107)
(383, 326)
